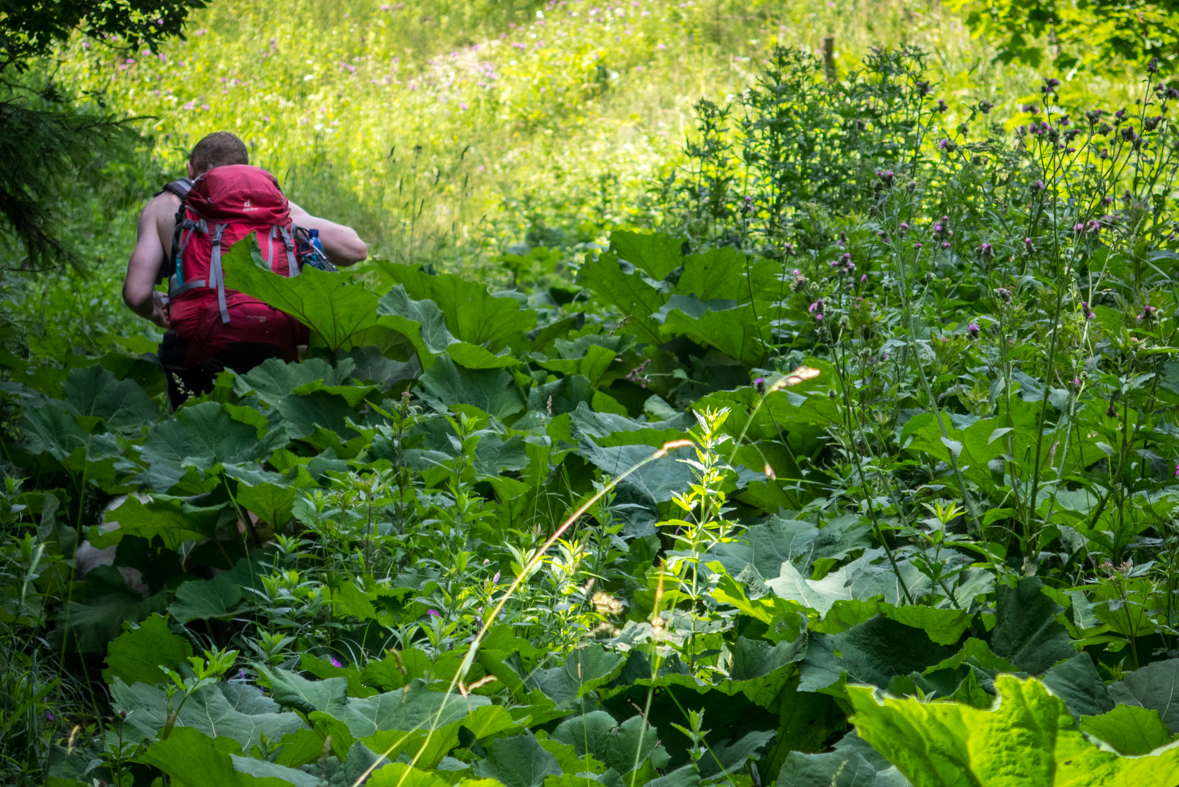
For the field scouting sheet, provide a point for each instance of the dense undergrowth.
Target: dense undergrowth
(864, 462)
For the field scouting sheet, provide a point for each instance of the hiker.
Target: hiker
(183, 232)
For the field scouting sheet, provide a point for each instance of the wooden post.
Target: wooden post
(829, 57)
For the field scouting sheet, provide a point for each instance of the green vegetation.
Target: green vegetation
(822, 434)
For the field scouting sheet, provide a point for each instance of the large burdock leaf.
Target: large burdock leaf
(202, 436)
(874, 652)
(137, 655)
(235, 711)
(106, 604)
(330, 304)
(622, 747)
(1079, 684)
(274, 379)
(1129, 729)
(727, 273)
(491, 390)
(294, 691)
(93, 393)
(654, 253)
(472, 314)
(398, 774)
(206, 599)
(518, 761)
(196, 760)
(174, 519)
(1155, 686)
(626, 288)
(738, 331)
(853, 763)
(1027, 738)
(585, 669)
(1026, 632)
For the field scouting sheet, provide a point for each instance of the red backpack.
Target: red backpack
(223, 206)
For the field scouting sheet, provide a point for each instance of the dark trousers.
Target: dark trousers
(185, 381)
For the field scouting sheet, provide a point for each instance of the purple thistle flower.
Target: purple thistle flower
(973, 330)
(433, 613)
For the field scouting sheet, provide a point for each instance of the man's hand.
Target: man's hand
(341, 245)
(159, 310)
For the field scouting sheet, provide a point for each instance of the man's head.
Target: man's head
(218, 149)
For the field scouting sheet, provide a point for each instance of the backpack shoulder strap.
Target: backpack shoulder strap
(180, 187)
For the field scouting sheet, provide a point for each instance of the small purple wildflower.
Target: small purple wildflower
(434, 613)
(335, 662)
(973, 330)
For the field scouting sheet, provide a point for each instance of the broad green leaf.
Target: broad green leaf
(414, 707)
(175, 520)
(584, 669)
(656, 254)
(491, 390)
(779, 410)
(294, 691)
(107, 603)
(200, 436)
(302, 414)
(274, 378)
(206, 599)
(430, 743)
(622, 747)
(1079, 684)
(234, 711)
(727, 273)
(51, 430)
(330, 304)
(192, 759)
(660, 479)
(943, 626)
(738, 331)
(1155, 686)
(628, 291)
(873, 652)
(93, 392)
(818, 595)
(399, 774)
(594, 364)
(1128, 728)
(724, 757)
(852, 764)
(1028, 738)
(561, 396)
(518, 761)
(1026, 631)
(472, 313)
(422, 322)
(138, 653)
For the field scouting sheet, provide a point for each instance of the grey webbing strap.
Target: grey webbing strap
(216, 275)
(288, 240)
(188, 285)
(270, 250)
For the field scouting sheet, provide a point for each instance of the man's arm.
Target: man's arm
(143, 269)
(341, 244)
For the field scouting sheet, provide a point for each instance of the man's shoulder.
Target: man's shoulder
(162, 206)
